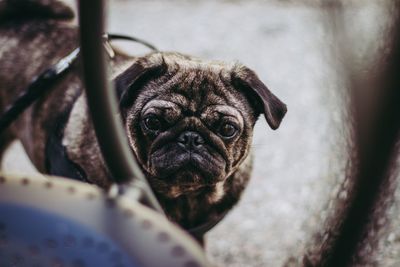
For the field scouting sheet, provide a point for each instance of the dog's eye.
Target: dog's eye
(227, 130)
(153, 123)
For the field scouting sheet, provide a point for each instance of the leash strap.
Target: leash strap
(40, 85)
(44, 81)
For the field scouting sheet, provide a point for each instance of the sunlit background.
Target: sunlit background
(292, 46)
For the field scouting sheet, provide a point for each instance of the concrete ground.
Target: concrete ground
(290, 47)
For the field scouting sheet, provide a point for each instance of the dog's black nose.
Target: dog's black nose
(190, 139)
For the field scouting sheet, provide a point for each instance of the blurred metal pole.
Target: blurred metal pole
(102, 103)
(376, 133)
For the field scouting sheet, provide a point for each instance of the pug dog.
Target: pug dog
(189, 122)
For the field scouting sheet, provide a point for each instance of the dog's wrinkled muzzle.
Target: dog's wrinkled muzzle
(188, 159)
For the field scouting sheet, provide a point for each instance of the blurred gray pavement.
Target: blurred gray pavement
(289, 46)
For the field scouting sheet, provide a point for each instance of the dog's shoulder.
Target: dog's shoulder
(34, 9)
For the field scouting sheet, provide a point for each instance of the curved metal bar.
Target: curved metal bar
(102, 103)
(376, 127)
(377, 140)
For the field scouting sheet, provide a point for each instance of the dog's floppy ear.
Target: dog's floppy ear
(267, 103)
(141, 71)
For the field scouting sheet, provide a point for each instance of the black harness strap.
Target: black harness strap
(58, 163)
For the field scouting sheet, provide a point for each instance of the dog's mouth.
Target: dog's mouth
(177, 169)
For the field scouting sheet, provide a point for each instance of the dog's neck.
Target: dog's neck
(208, 203)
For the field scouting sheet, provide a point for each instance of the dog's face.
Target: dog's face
(190, 123)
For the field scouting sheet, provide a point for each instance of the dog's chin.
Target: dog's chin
(170, 187)
(176, 174)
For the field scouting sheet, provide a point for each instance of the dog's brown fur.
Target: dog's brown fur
(194, 185)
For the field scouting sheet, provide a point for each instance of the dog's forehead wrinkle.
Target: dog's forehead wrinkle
(154, 89)
(173, 79)
(179, 100)
(159, 104)
(198, 89)
(225, 110)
